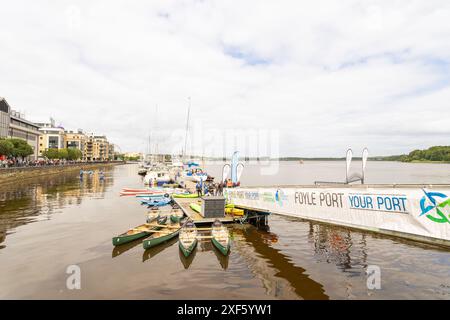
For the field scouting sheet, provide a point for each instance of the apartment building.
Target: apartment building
(76, 140)
(52, 137)
(14, 125)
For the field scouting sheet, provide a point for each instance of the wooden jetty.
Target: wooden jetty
(197, 218)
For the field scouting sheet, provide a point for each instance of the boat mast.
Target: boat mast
(156, 128)
(187, 129)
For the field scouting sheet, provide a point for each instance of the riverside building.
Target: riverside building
(14, 125)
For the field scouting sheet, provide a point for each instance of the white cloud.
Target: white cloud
(326, 74)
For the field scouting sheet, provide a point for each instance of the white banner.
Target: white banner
(402, 210)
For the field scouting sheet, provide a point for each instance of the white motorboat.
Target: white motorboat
(157, 178)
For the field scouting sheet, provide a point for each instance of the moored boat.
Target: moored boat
(138, 232)
(152, 196)
(184, 195)
(188, 238)
(220, 237)
(162, 235)
(158, 178)
(134, 193)
(176, 215)
(157, 202)
(142, 172)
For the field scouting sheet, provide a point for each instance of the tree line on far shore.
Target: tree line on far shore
(436, 153)
(17, 148)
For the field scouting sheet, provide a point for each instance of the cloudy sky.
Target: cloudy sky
(308, 78)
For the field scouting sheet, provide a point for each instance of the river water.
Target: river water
(49, 224)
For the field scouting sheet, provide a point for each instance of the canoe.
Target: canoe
(176, 216)
(156, 195)
(137, 190)
(137, 233)
(187, 238)
(163, 235)
(156, 211)
(129, 193)
(183, 195)
(196, 207)
(220, 237)
(151, 217)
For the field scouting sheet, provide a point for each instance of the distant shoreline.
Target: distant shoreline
(377, 159)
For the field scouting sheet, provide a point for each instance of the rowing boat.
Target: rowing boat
(156, 211)
(162, 235)
(176, 215)
(188, 238)
(220, 237)
(137, 232)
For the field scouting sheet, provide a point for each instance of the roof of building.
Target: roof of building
(17, 118)
(51, 129)
(4, 106)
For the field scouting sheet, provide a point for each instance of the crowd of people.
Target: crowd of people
(18, 163)
(214, 189)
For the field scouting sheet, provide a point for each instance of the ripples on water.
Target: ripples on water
(47, 224)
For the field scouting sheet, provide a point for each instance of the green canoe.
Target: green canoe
(223, 248)
(187, 250)
(176, 215)
(188, 238)
(175, 218)
(191, 195)
(136, 233)
(163, 235)
(220, 237)
(196, 207)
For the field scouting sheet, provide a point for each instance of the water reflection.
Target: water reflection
(39, 198)
(187, 261)
(152, 252)
(118, 250)
(339, 246)
(207, 246)
(270, 262)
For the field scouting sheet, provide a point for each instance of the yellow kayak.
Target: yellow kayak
(234, 211)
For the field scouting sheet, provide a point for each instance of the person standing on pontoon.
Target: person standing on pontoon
(198, 187)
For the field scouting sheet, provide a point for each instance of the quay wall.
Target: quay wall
(12, 175)
(420, 213)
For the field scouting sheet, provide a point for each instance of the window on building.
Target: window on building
(73, 144)
(53, 142)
